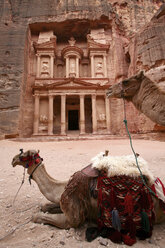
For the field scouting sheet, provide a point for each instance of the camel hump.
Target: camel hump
(90, 171)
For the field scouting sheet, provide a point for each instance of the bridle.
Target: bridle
(31, 159)
(35, 158)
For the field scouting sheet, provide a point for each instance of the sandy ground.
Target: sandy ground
(62, 159)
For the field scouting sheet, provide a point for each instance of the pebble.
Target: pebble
(9, 206)
(62, 242)
(103, 242)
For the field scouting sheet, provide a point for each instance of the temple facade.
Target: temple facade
(70, 84)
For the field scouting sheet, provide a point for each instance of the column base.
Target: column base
(82, 133)
(63, 134)
(50, 134)
(95, 132)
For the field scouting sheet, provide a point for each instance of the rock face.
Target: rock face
(134, 30)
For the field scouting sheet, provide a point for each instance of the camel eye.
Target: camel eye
(125, 82)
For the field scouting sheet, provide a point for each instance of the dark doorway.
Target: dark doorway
(73, 120)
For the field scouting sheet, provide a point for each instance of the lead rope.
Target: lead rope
(23, 180)
(130, 139)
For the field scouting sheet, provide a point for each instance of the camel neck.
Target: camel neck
(49, 187)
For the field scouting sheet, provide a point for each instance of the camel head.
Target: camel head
(127, 88)
(26, 159)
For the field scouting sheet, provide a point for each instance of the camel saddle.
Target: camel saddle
(90, 171)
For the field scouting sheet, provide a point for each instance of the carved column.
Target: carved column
(38, 65)
(107, 110)
(105, 65)
(51, 66)
(63, 114)
(50, 117)
(77, 67)
(94, 114)
(92, 66)
(67, 67)
(82, 115)
(36, 114)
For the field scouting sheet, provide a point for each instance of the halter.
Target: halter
(34, 159)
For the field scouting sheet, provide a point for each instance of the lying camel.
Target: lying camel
(73, 201)
(144, 94)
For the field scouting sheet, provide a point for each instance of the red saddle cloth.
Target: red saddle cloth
(130, 197)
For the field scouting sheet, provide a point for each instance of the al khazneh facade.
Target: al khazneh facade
(70, 85)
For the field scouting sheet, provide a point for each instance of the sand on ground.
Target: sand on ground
(62, 159)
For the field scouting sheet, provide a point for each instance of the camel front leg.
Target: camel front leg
(58, 220)
(52, 208)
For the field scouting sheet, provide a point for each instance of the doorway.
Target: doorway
(73, 120)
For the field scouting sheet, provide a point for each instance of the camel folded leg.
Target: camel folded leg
(52, 208)
(58, 220)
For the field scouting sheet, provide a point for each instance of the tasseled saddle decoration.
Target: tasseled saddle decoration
(125, 208)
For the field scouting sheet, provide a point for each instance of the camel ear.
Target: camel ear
(38, 151)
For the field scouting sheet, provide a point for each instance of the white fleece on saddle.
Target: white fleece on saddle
(122, 165)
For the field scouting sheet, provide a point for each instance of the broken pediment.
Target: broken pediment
(47, 45)
(93, 45)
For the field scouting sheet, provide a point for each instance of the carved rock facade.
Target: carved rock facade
(58, 58)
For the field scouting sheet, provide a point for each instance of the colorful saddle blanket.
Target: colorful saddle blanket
(130, 199)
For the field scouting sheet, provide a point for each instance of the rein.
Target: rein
(31, 175)
(135, 154)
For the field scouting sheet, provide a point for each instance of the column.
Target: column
(38, 65)
(77, 67)
(82, 115)
(63, 114)
(36, 114)
(107, 111)
(51, 66)
(105, 65)
(67, 67)
(92, 66)
(50, 116)
(94, 114)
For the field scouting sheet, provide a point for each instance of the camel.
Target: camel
(144, 94)
(66, 210)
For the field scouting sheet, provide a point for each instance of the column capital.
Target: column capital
(93, 95)
(82, 95)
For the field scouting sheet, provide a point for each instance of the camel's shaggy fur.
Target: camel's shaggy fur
(122, 165)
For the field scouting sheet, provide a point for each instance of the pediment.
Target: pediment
(72, 83)
(69, 84)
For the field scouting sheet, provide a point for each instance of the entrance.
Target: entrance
(73, 120)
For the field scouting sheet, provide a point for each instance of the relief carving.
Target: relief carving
(72, 67)
(99, 67)
(43, 119)
(45, 69)
(72, 41)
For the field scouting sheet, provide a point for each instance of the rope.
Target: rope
(14, 229)
(141, 174)
(23, 179)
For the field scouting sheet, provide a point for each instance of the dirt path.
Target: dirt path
(62, 159)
